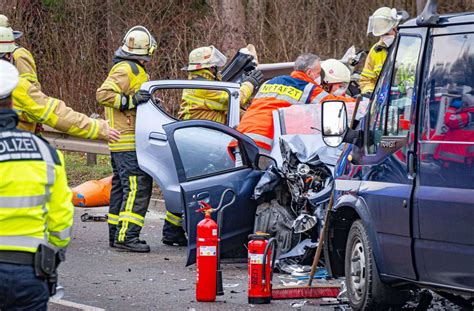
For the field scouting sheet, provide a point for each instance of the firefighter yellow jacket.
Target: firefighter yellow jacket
(125, 79)
(373, 66)
(35, 200)
(209, 104)
(25, 63)
(34, 107)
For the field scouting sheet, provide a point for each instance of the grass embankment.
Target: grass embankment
(79, 172)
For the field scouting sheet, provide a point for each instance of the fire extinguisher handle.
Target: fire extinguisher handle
(271, 243)
(204, 207)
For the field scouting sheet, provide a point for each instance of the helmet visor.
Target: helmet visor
(217, 58)
(380, 25)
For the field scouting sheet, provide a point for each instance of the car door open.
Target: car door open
(153, 151)
(197, 160)
(210, 158)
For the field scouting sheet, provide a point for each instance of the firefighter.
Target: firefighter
(36, 209)
(34, 107)
(22, 58)
(210, 104)
(301, 87)
(204, 63)
(120, 94)
(383, 24)
(337, 77)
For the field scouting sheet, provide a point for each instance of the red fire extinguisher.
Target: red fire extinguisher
(208, 273)
(260, 267)
(206, 256)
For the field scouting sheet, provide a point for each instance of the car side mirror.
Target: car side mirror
(333, 122)
(264, 162)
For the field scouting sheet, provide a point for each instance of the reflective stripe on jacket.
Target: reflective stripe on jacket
(209, 104)
(35, 200)
(124, 79)
(35, 107)
(279, 92)
(25, 63)
(372, 68)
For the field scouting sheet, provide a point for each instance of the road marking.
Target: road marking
(74, 306)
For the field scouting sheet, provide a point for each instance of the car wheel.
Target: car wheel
(364, 288)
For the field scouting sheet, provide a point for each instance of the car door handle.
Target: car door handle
(203, 196)
(158, 136)
(411, 162)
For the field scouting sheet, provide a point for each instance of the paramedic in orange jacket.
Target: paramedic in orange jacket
(300, 88)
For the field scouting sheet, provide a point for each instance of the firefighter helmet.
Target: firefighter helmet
(4, 22)
(383, 20)
(205, 57)
(139, 41)
(7, 40)
(9, 78)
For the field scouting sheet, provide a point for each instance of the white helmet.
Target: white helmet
(383, 20)
(7, 41)
(9, 78)
(205, 57)
(335, 72)
(139, 41)
(5, 23)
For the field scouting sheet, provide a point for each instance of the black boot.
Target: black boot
(179, 242)
(173, 235)
(112, 242)
(112, 231)
(133, 246)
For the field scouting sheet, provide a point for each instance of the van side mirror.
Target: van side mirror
(333, 122)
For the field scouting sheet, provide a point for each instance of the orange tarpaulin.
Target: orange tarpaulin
(92, 193)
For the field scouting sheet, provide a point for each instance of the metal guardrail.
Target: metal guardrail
(66, 142)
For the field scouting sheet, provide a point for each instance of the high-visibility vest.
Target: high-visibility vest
(124, 79)
(35, 200)
(279, 92)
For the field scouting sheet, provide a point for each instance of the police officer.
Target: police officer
(36, 212)
(131, 187)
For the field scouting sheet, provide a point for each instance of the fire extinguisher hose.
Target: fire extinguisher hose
(271, 243)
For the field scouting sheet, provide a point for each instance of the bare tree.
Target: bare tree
(231, 14)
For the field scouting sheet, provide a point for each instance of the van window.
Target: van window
(449, 90)
(391, 108)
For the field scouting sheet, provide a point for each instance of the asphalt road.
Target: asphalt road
(98, 276)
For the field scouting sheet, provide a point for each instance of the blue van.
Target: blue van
(403, 213)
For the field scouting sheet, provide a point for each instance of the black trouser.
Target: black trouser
(129, 197)
(172, 228)
(20, 289)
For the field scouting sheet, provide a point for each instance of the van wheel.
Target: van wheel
(364, 288)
